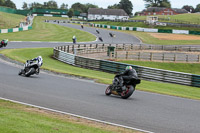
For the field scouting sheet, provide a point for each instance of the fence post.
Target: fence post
(151, 56)
(139, 56)
(115, 54)
(162, 47)
(64, 48)
(163, 57)
(72, 48)
(199, 58)
(186, 58)
(126, 54)
(174, 57)
(67, 48)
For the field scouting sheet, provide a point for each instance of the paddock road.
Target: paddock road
(143, 110)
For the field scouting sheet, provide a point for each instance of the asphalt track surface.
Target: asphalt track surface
(143, 110)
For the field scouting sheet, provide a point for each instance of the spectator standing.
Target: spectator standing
(74, 39)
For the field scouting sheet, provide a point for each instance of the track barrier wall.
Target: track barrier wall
(63, 54)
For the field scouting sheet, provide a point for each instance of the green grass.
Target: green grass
(16, 118)
(148, 39)
(49, 32)
(8, 20)
(187, 17)
(102, 77)
(193, 68)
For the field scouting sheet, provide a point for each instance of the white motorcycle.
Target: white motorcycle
(31, 67)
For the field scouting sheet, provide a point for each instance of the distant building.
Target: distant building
(161, 11)
(107, 14)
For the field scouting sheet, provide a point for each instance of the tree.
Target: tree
(25, 6)
(165, 3)
(64, 6)
(188, 8)
(158, 3)
(78, 7)
(127, 6)
(9, 3)
(197, 9)
(52, 4)
(2, 2)
(115, 6)
(88, 5)
(70, 12)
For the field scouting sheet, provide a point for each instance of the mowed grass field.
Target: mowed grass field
(8, 20)
(102, 77)
(187, 17)
(147, 38)
(49, 32)
(16, 118)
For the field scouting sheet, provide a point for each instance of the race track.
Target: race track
(143, 110)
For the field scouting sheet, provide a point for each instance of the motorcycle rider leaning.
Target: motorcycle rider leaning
(39, 60)
(127, 75)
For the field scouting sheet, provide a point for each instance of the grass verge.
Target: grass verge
(184, 18)
(16, 118)
(53, 65)
(49, 32)
(179, 67)
(8, 20)
(148, 39)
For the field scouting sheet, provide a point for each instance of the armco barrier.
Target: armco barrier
(116, 67)
(145, 29)
(15, 29)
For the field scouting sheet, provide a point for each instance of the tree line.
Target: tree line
(7, 3)
(126, 5)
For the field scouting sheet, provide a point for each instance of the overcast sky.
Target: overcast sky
(138, 5)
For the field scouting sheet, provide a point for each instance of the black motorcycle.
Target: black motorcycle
(30, 68)
(3, 43)
(125, 90)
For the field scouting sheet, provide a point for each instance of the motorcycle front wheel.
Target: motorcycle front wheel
(108, 90)
(127, 93)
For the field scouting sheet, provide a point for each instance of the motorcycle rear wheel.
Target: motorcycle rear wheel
(30, 72)
(126, 94)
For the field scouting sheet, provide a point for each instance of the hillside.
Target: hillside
(8, 20)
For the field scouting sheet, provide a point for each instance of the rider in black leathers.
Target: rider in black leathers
(127, 75)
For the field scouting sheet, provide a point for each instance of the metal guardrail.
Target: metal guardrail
(116, 67)
(70, 48)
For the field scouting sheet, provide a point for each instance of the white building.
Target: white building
(107, 14)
